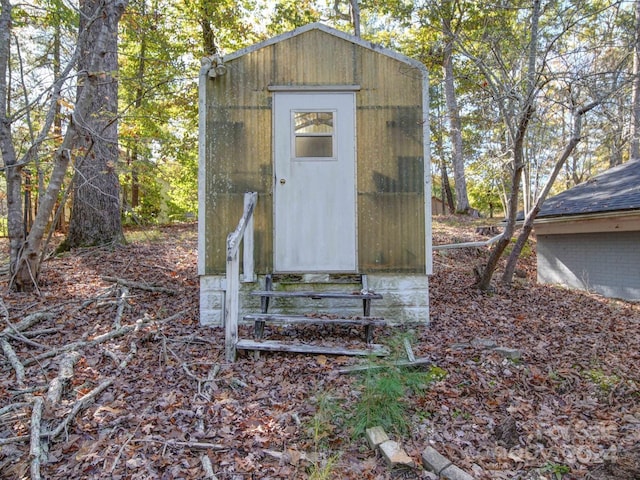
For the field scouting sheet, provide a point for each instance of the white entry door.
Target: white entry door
(315, 188)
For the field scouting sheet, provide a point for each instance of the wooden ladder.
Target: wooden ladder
(260, 319)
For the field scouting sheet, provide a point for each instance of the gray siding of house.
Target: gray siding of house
(605, 263)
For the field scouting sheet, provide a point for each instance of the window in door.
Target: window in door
(313, 135)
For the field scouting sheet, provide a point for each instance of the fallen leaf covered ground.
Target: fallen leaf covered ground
(566, 405)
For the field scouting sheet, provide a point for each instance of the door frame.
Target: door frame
(283, 93)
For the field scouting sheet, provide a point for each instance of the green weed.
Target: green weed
(556, 469)
(322, 424)
(384, 391)
(323, 470)
(321, 428)
(603, 381)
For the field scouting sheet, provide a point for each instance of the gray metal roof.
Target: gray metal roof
(616, 189)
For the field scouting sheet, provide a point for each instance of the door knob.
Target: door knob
(282, 181)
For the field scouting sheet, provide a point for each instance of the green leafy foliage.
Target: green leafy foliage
(383, 392)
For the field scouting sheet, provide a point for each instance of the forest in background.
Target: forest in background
(589, 52)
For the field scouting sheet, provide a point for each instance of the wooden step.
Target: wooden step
(367, 322)
(315, 320)
(276, 346)
(317, 295)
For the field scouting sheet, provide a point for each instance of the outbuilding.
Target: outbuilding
(331, 132)
(588, 237)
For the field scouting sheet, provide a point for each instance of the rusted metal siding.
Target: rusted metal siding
(390, 164)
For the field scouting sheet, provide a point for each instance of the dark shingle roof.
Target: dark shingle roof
(616, 189)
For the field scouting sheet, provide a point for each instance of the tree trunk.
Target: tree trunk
(95, 215)
(484, 277)
(446, 189)
(520, 133)
(527, 227)
(455, 125)
(635, 98)
(28, 258)
(13, 171)
(354, 8)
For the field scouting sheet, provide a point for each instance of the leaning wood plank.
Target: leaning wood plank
(234, 238)
(317, 295)
(35, 448)
(10, 354)
(484, 243)
(275, 346)
(65, 373)
(138, 285)
(403, 363)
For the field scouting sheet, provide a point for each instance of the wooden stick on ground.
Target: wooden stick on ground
(402, 363)
(208, 468)
(122, 301)
(35, 449)
(65, 373)
(101, 338)
(79, 405)
(138, 285)
(14, 361)
(26, 322)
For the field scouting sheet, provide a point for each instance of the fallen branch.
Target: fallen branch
(43, 331)
(138, 285)
(484, 243)
(133, 349)
(26, 322)
(79, 405)
(219, 447)
(10, 440)
(10, 354)
(208, 468)
(65, 373)
(292, 456)
(403, 363)
(13, 406)
(407, 346)
(101, 338)
(22, 338)
(122, 300)
(35, 449)
(122, 448)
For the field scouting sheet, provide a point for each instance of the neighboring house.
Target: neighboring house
(589, 236)
(332, 133)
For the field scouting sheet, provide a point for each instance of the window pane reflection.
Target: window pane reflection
(313, 122)
(314, 146)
